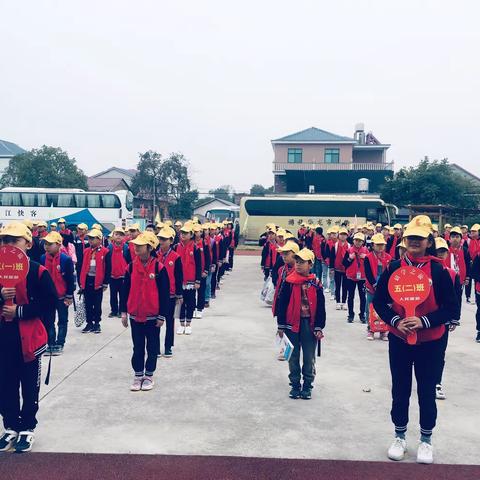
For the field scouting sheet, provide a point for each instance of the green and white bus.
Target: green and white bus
(290, 211)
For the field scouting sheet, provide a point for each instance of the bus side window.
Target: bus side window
(80, 200)
(110, 201)
(42, 200)
(28, 199)
(11, 199)
(52, 199)
(65, 200)
(93, 201)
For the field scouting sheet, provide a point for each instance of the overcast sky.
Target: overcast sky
(217, 80)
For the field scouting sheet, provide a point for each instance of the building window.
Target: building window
(332, 155)
(294, 155)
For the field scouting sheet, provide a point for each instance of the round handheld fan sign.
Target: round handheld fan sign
(14, 267)
(409, 287)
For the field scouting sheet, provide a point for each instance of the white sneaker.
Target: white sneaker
(332, 297)
(181, 330)
(425, 453)
(199, 314)
(188, 330)
(327, 290)
(338, 307)
(397, 449)
(344, 306)
(370, 336)
(439, 393)
(147, 383)
(195, 313)
(137, 384)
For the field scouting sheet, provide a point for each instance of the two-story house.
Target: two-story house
(317, 161)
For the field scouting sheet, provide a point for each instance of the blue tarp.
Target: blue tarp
(83, 216)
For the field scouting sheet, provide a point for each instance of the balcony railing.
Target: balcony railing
(282, 167)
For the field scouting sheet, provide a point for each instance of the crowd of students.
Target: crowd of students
(167, 272)
(360, 260)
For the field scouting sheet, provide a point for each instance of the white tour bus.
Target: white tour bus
(289, 211)
(109, 209)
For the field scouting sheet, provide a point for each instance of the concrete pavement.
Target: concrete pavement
(224, 392)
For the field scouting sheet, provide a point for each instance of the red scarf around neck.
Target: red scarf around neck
(295, 305)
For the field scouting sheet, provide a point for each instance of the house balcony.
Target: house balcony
(281, 168)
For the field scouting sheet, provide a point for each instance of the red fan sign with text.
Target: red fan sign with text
(14, 267)
(409, 287)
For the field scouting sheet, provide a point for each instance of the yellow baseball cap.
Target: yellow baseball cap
(343, 230)
(187, 228)
(146, 238)
(359, 236)
(475, 227)
(447, 225)
(167, 223)
(288, 235)
(166, 232)
(269, 226)
(379, 225)
(289, 247)
(118, 230)
(402, 244)
(306, 255)
(42, 223)
(28, 223)
(82, 226)
(54, 237)
(420, 226)
(197, 227)
(16, 229)
(434, 227)
(61, 220)
(281, 232)
(95, 233)
(335, 229)
(378, 239)
(53, 224)
(441, 243)
(205, 226)
(97, 226)
(456, 230)
(134, 227)
(397, 226)
(178, 223)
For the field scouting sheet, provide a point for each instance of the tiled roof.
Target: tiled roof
(314, 135)
(9, 149)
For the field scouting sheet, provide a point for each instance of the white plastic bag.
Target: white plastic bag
(270, 292)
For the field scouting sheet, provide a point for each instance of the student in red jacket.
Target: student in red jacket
(23, 339)
(60, 267)
(337, 253)
(375, 263)
(94, 279)
(429, 325)
(394, 240)
(353, 261)
(317, 242)
(192, 275)
(269, 254)
(205, 260)
(146, 300)
(119, 265)
(301, 316)
(443, 254)
(458, 258)
(473, 250)
(173, 264)
(128, 247)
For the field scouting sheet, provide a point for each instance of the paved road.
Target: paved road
(223, 393)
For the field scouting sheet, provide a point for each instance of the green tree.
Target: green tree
(167, 179)
(259, 190)
(428, 183)
(46, 167)
(225, 192)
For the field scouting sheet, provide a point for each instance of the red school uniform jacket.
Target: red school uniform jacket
(191, 262)
(375, 263)
(35, 296)
(172, 262)
(459, 260)
(337, 253)
(355, 268)
(317, 246)
(119, 264)
(103, 266)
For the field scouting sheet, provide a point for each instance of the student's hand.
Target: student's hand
(467, 281)
(362, 255)
(179, 301)
(319, 334)
(401, 326)
(9, 311)
(68, 301)
(452, 327)
(197, 286)
(204, 274)
(413, 323)
(105, 288)
(280, 333)
(124, 320)
(219, 264)
(160, 323)
(351, 256)
(8, 293)
(212, 268)
(332, 273)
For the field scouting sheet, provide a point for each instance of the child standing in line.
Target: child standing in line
(301, 316)
(119, 265)
(443, 254)
(173, 264)
(375, 264)
(23, 339)
(269, 254)
(146, 299)
(94, 279)
(205, 261)
(337, 253)
(192, 274)
(353, 261)
(60, 267)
